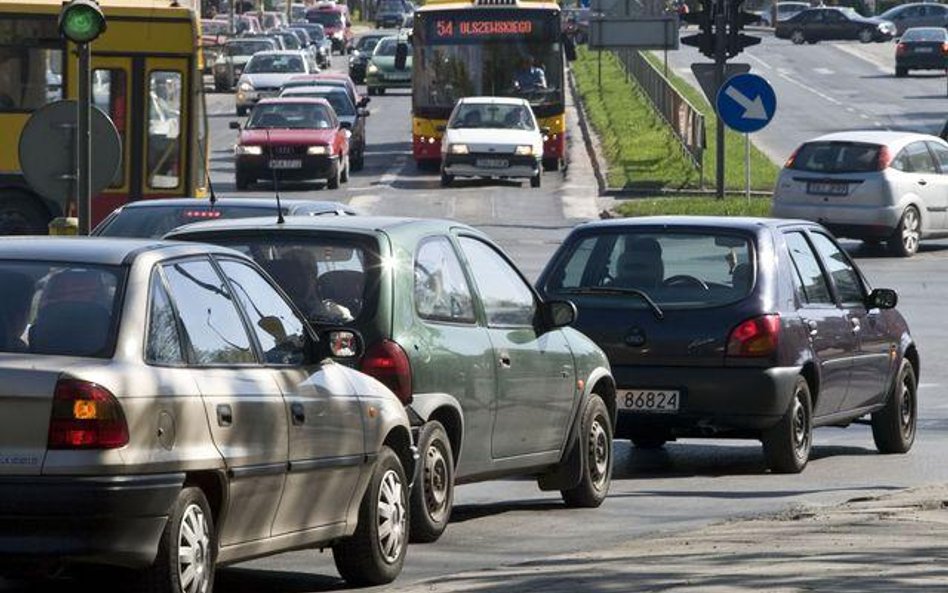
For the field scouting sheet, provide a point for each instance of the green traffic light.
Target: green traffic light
(81, 23)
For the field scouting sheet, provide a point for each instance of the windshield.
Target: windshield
(338, 100)
(386, 47)
(290, 40)
(928, 34)
(367, 44)
(489, 115)
(275, 64)
(69, 309)
(214, 27)
(391, 7)
(837, 157)
(295, 116)
(247, 48)
(674, 269)
(461, 54)
(326, 19)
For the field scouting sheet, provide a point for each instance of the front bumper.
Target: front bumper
(466, 165)
(713, 400)
(312, 167)
(380, 81)
(855, 222)
(114, 520)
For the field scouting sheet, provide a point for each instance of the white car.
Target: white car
(873, 186)
(267, 71)
(492, 137)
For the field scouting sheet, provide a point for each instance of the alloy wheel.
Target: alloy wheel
(194, 551)
(391, 517)
(910, 230)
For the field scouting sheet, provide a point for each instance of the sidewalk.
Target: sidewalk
(895, 543)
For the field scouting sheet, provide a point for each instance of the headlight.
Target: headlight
(373, 69)
(317, 150)
(524, 150)
(253, 150)
(458, 149)
(337, 35)
(246, 87)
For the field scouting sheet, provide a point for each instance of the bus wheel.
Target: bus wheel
(23, 215)
(551, 164)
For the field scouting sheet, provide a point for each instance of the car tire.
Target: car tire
(797, 37)
(866, 36)
(893, 427)
(344, 175)
(446, 179)
(368, 557)
(551, 164)
(536, 180)
(371, 90)
(432, 496)
(905, 238)
(242, 181)
(787, 444)
(380, 90)
(335, 179)
(901, 72)
(189, 534)
(596, 448)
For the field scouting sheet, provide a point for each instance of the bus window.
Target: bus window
(30, 77)
(164, 127)
(109, 93)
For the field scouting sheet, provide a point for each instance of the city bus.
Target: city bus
(144, 75)
(463, 48)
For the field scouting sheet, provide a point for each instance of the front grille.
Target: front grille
(287, 150)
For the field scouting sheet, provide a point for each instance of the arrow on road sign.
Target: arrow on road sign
(752, 109)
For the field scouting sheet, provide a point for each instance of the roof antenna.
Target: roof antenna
(210, 187)
(276, 184)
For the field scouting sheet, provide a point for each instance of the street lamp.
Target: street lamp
(81, 21)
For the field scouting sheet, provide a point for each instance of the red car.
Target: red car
(335, 20)
(295, 139)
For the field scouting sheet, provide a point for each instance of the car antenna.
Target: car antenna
(276, 184)
(210, 188)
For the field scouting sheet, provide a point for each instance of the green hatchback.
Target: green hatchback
(382, 73)
(494, 380)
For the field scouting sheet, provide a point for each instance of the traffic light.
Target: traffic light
(704, 18)
(736, 19)
(81, 21)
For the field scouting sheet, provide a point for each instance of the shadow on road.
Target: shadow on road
(249, 580)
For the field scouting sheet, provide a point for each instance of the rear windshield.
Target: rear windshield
(324, 276)
(676, 269)
(326, 19)
(248, 48)
(929, 34)
(59, 308)
(155, 222)
(837, 157)
(275, 63)
(338, 100)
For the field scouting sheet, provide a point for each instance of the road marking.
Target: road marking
(365, 202)
(824, 71)
(392, 173)
(759, 61)
(783, 74)
(883, 67)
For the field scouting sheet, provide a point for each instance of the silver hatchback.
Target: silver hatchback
(166, 408)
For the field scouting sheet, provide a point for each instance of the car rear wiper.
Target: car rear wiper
(659, 314)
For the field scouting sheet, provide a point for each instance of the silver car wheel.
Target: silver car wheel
(797, 37)
(801, 431)
(907, 411)
(599, 450)
(194, 551)
(435, 482)
(910, 230)
(391, 517)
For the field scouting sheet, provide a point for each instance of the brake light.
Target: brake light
(885, 158)
(387, 362)
(755, 337)
(790, 161)
(86, 416)
(202, 213)
(944, 48)
(900, 49)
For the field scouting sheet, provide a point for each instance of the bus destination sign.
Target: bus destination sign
(494, 26)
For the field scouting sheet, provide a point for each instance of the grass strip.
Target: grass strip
(694, 206)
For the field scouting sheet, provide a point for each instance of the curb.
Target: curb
(591, 148)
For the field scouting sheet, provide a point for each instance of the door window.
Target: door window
(164, 129)
(840, 269)
(441, 291)
(163, 345)
(110, 94)
(508, 300)
(209, 316)
(919, 159)
(279, 331)
(813, 284)
(941, 155)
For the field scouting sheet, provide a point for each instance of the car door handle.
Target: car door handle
(225, 415)
(505, 361)
(856, 325)
(812, 326)
(922, 182)
(298, 412)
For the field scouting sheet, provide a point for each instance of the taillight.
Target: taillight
(790, 161)
(388, 363)
(885, 158)
(86, 416)
(900, 49)
(755, 337)
(944, 48)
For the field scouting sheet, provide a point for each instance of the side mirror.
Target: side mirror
(234, 125)
(345, 125)
(558, 314)
(882, 298)
(340, 342)
(401, 56)
(364, 101)
(441, 128)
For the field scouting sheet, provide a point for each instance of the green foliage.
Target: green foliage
(695, 206)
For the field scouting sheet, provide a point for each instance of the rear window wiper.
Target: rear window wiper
(659, 314)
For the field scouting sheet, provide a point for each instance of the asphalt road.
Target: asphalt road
(689, 483)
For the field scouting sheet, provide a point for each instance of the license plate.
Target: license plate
(492, 163)
(650, 400)
(286, 164)
(827, 188)
(924, 50)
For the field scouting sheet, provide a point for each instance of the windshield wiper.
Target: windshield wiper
(659, 314)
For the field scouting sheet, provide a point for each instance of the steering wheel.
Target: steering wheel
(683, 279)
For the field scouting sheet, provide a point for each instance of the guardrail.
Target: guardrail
(685, 121)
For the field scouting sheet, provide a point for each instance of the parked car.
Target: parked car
(230, 63)
(495, 380)
(292, 139)
(172, 411)
(922, 48)
(350, 116)
(826, 24)
(745, 328)
(492, 137)
(154, 218)
(266, 72)
(381, 73)
(917, 14)
(391, 14)
(362, 53)
(322, 43)
(335, 19)
(874, 186)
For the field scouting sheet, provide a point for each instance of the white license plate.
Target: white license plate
(493, 163)
(832, 189)
(286, 164)
(650, 400)
(924, 50)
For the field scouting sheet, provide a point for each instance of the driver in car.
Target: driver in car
(530, 76)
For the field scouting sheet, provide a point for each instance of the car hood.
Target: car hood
(874, 20)
(235, 60)
(387, 63)
(485, 138)
(260, 137)
(268, 79)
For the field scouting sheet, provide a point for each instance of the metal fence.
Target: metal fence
(686, 122)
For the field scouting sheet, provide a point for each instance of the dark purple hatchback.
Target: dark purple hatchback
(744, 328)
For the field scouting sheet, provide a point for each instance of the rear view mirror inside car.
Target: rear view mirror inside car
(726, 241)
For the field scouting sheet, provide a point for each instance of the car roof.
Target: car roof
(285, 99)
(288, 203)
(281, 52)
(298, 91)
(359, 224)
(745, 224)
(883, 137)
(494, 100)
(92, 250)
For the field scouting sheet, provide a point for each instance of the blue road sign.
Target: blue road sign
(746, 103)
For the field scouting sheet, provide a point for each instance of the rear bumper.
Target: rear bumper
(933, 61)
(857, 222)
(114, 520)
(713, 400)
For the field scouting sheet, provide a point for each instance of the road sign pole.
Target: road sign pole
(747, 168)
(720, 62)
(84, 143)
